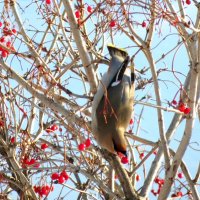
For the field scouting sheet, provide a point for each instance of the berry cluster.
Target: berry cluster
(30, 162)
(160, 183)
(52, 128)
(60, 178)
(6, 39)
(83, 146)
(78, 13)
(43, 190)
(177, 194)
(181, 107)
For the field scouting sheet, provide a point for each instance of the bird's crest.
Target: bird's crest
(114, 51)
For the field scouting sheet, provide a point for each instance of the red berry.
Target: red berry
(4, 54)
(131, 122)
(161, 181)
(187, 110)
(156, 180)
(54, 127)
(44, 191)
(179, 194)
(188, 2)
(40, 193)
(141, 155)
(55, 176)
(48, 188)
(44, 146)
(61, 179)
(89, 9)
(14, 31)
(144, 24)
(79, 22)
(2, 39)
(48, 2)
(78, 14)
(181, 107)
(32, 161)
(155, 152)
(64, 174)
(112, 23)
(12, 140)
(81, 147)
(1, 24)
(137, 177)
(87, 142)
(180, 175)
(1, 123)
(174, 102)
(26, 161)
(8, 44)
(36, 189)
(124, 160)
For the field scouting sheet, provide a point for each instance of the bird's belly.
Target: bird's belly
(115, 109)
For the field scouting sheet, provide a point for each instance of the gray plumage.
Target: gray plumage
(113, 103)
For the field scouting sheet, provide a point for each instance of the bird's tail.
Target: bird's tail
(117, 51)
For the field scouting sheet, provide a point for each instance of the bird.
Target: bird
(112, 105)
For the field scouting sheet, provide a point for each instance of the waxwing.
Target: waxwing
(112, 105)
